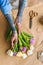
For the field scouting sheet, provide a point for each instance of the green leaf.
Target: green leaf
(8, 34)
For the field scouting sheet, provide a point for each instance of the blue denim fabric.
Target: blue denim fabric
(22, 4)
(5, 6)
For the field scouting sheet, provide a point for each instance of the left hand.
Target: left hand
(18, 23)
(14, 37)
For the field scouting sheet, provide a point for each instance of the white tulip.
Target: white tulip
(10, 53)
(32, 48)
(24, 56)
(29, 52)
(19, 54)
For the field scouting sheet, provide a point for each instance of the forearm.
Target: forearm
(11, 21)
(22, 4)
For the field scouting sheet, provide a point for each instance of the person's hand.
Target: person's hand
(18, 24)
(19, 27)
(14, 38)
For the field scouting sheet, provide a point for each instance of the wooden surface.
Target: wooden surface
(4, 45)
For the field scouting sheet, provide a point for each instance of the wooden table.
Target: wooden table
(4, 45)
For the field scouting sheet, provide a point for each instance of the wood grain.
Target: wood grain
(4, 45)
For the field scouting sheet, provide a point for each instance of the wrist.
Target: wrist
(14, 31)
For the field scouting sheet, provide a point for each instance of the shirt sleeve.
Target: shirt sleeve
(5, 6)
(22, 4)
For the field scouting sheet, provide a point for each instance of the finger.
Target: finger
(19, 31)
(12, 42)
(12, 45)
(12, 39)
(16, 39)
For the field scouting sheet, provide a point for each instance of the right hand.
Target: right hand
(14, 38)
(18, 23)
